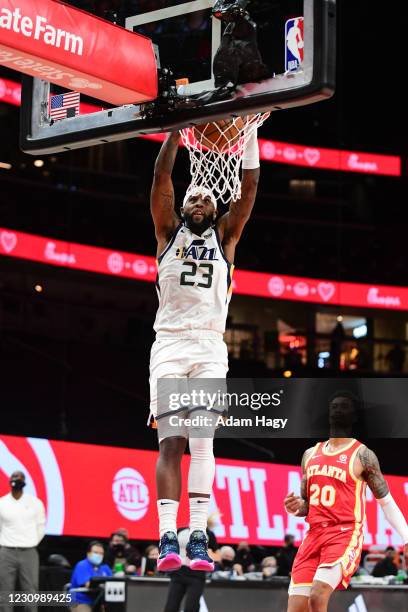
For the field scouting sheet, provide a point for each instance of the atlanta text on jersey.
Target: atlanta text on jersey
(331, 471)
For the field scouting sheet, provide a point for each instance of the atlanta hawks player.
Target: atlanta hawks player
(195, 264)
(333, 496)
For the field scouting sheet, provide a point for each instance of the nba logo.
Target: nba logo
(294, 44)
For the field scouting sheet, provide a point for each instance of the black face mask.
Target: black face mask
(151, 565)
(227, 563)
(17, 484)
(118, 548)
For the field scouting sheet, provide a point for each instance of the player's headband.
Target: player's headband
(202, 191)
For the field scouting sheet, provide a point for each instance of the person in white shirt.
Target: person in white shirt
(22, 527)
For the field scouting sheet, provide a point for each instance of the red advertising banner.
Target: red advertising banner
(270, 150)
(10, 92)
(69, 47)
(143, 267)
(330, 159)
(91, 490)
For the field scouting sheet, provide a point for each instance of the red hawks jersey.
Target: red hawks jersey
(335, 495)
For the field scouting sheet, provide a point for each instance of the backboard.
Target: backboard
(296, 39)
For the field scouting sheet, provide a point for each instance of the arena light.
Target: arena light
(360, 331)
(321, 359)
(39, 163)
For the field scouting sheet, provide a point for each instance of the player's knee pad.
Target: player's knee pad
(202, 465)
(330, 575)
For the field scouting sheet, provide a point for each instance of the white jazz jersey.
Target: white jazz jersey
(194, 285)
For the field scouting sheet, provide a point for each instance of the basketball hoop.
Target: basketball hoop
(215, 163)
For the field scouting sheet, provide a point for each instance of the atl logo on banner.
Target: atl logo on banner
(130, 494)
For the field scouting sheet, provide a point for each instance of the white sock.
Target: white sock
(198, 513)
(167, 511)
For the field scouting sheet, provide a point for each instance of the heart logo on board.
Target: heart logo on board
(312, 156)
(8, 241)
(326, 291)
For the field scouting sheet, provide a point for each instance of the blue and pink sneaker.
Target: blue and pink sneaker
(169, 556)
(197, 552)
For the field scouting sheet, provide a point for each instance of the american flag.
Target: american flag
(63, 106)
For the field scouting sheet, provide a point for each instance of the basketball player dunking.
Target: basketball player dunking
(333, 496)
(195, 264)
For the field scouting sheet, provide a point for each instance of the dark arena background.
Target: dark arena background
(321, 292)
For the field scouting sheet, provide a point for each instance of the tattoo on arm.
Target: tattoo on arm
(162, 194)
(167, 200)
(304, 511)
(372, 473)
(303, 486)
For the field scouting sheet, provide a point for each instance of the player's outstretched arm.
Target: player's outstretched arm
(162, 194)
(295, 504)
(233, 222)
(374, 478)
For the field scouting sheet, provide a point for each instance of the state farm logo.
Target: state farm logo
(130, 494)
(40, 30)
(342, 459)
(79, 83)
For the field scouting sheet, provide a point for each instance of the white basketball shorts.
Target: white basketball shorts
(180, 357)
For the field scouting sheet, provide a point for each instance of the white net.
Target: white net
(216, 151)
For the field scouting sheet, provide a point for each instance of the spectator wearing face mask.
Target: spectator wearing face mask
(90, 567)
(244, 557)
(269, 567)
(227, 562)
(149, 561)
(122, 556)
(387, 566)
(22, 527)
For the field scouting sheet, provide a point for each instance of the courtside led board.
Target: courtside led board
(296, 40)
